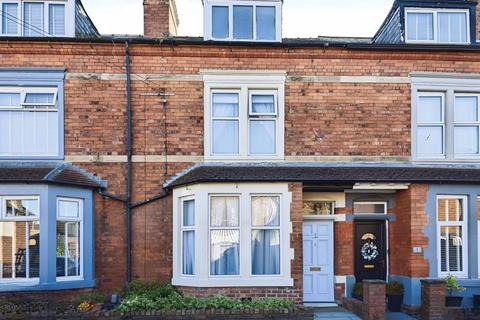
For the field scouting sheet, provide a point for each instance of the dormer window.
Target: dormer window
(37, 18)
(243, 20)
(448, 26)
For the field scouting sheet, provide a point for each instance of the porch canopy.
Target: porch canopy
(327, 173)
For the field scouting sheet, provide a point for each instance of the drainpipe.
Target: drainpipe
(128, 202)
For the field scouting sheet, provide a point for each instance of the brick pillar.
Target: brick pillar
(374, 295)
(433, 300)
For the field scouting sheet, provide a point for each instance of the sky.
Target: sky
(301, 18)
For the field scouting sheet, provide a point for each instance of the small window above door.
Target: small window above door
(318, 208)
(370, 208)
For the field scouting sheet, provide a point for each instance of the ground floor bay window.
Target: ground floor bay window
(232, 235)
(46, 237)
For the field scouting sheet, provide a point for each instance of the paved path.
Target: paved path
(343, 314)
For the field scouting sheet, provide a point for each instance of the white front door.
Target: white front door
(318, 278)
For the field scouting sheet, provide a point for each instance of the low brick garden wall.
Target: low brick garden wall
(217, 314)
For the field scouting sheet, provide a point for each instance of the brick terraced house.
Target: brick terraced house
(238, 163)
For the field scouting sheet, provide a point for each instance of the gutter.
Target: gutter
(128, 201)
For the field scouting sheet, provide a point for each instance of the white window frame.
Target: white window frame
(23, 91)
(464, 225)
(384, 203)
(449, 84)
(431, 124)
(238, 118)
(4, 218)
(207, 13)
(252, 228)
(186, 229)
(436, 22)
(211, 228)
(19, 9)
(244, 82)
(81, 232)
(202, 194)
(468, 123)
(69, 17)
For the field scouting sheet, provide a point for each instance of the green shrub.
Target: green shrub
(395, 288)
(155, 296)
(452, 284)
(358, 289)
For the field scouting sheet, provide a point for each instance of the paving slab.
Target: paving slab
(335, 314)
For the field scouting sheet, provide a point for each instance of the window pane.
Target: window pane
(188, 252)
(225, 105)
(266, 23)
(22, 208)
(224, 211)
(220, 22)
(224, 251)
(9, 18)
(9, 99)
(452, 26)
(429, 141)
(19, 243)
(56, 16)
(225, 137)
(420, 26)
(317, 208)
(68, 209)
(262, 137)
(33, 19)
(450, 210)
(466, 140)
(369, 208)
(41, 98)
(451, 249)
(265, 211)
(68, 249)
(189, 213)
(466, 109)
(263, 104)
(265, 252)
(429, 109)
(243, 22)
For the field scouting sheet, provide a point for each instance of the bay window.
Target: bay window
(244, 117)
(247, 228)
(242, 20)
(38, 18)
(425, 25)
(69, 225)
(452, 221)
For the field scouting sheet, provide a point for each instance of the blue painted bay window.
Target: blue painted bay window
(46, 237)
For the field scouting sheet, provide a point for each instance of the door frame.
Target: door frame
(320, 219)
(387, 244)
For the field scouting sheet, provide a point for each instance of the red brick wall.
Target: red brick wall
(344, 244)
(407, 232)
(326, 119)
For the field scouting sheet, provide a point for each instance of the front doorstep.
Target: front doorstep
(320, 304)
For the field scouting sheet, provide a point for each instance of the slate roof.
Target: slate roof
(84, 26)
(56, 173)
(326, 173)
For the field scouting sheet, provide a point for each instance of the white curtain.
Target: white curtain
(265, 211)
(224, 211)
(263, 103)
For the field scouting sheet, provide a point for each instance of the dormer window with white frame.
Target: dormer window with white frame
(32, 18)
(431, 25)
(243, 20)
(244, 116)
